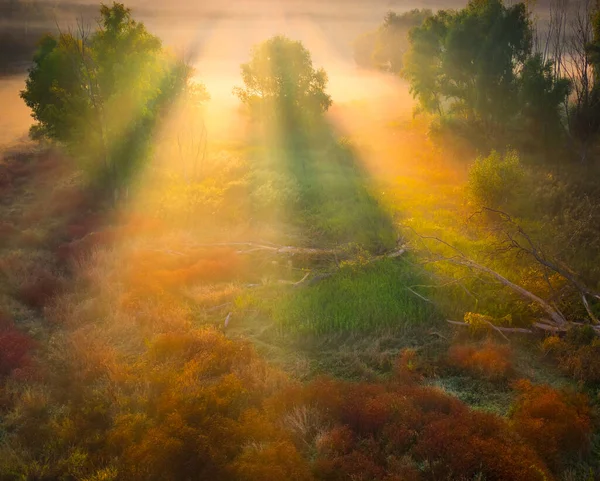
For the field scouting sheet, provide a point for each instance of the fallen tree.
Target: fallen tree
(519, 240)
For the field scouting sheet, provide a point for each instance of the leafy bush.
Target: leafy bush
(494, 180)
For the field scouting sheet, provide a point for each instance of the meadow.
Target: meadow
(308, 285)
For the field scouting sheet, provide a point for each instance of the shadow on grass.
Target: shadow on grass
(328, 195)
(334, 206)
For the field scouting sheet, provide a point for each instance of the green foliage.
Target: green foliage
(477, 63)
(280, 81)
(541, 96)
(494, 180)
(363, 48)
(358, 298)
(385, 47)
(102, 93)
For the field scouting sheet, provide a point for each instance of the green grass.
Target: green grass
(319, 187)
(357, 298)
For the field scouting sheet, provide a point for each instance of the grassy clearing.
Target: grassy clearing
(359, 298)
(318, 184)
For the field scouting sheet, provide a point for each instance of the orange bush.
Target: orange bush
(204, 417)
(270, 462)
(470, 443)
(155, 271)
(375, 426)
(408, 367)
(578, 355)
(555, 422)
(489, 361)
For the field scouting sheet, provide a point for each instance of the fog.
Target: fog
(216, 37)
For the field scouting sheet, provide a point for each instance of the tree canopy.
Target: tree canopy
(280, 80)
(385, 47)
(101, 93)
(478, 63)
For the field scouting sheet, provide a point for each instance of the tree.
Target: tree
(478, 63)
(584, 69)
(363, 48)
(101, 94)
(385, 47)
(280, 81)
(392, 41)
(473, 56)
(571, 42)
(541, 97)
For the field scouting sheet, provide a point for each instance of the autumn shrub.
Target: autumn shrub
(203, 414)
(154, 272)
(488, 361)
(399, 431)
(557, 423)
(271, 461)
(468, 444)
(408, 366)
(578, 354)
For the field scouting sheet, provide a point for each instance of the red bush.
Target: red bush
(465, 445)
(154, 271)
(490, 361)
(556, 422)
(377, 425)
(272, 462)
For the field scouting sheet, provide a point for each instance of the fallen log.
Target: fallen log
(555, 315)
(542, 326)
(521, 330)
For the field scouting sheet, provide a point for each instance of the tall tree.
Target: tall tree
(478, 63)
(469, 59)
(101, 93)
(280, 81)
(385, 47)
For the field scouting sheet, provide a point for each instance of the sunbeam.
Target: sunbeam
(261, 240)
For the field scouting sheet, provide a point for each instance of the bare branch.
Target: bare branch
(499, 329)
